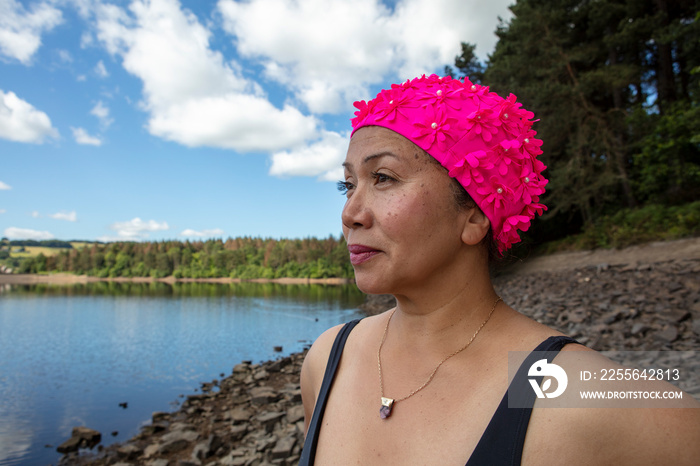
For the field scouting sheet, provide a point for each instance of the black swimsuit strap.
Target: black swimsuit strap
(503, 439)
(309, 451)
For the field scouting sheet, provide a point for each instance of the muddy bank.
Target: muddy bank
(254, 416)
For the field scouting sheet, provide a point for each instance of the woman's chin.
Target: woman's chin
(372, 285)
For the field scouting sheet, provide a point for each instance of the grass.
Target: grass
(31, 251)
(628, 227)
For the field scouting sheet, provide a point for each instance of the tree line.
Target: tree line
(616, 86)
(243, 258)
(50, 243)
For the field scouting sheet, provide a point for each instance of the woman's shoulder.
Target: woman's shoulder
(614, 436)
(624, 428)
(317, 356)
(314, 367)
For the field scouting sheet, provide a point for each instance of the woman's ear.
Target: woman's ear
(476, 226)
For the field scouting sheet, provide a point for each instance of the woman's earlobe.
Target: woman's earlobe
(476, 227)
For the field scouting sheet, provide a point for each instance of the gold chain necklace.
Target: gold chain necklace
(388, 403)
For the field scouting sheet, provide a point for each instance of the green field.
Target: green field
(31, 251)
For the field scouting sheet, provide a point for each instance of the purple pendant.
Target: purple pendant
(385, 410)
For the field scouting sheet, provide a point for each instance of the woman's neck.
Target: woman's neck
(435, 319)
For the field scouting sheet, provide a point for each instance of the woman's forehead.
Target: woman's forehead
(371, 141)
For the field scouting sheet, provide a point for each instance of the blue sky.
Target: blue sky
(150, 120)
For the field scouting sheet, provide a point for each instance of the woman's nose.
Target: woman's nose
(356, 213)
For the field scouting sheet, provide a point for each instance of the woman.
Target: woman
(424, 383)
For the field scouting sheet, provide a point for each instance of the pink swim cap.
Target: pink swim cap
(485, 141)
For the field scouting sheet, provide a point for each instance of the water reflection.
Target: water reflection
(298, 292)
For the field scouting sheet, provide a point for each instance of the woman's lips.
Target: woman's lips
(360, 253)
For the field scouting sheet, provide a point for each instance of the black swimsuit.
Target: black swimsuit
(501, 442)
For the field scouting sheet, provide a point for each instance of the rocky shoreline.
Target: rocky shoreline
(252, 417)
(255, 417)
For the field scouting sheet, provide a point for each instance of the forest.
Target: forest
(615, 86)
(243, 258)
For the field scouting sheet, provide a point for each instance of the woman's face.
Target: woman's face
(400, 220)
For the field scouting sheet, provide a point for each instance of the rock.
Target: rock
(159, 416)
(200, 451)
(639, 328)
(158, 462)
(241, 368)
(268, 420)
(261, 374)
(668, 334)
(295, 413)
(262, 395)
(151, 429)
(150, 450)
(129, 451)
(176, 441)
(284, 447)
(238, 431)
(278, 365)
(240, 414)
(70, 445)
(679, 315)
(81, 437)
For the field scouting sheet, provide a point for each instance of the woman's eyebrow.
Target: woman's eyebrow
(348, 165)
(379, 155)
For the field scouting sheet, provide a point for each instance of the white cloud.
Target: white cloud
(233, 121)
(35, 214)
(102, 113)
(67, 216)
(216, 232)
(21, 29)
(65, 56)
(136, 229)
(2, 211)
(25, 233)
(193, 95)
(86, 40)
(328, 63)
(100, 70)
(82, 137)
(322, 158)
(4, 186)
(21, 122)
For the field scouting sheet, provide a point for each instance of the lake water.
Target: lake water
(70, 355)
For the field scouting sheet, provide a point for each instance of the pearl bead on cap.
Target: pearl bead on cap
(486, 142)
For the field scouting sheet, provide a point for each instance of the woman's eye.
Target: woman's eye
(345, 186)
(382, 177)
